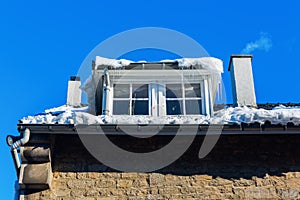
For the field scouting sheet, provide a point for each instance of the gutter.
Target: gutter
(165, 129)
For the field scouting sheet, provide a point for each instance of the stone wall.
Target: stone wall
(239, 167)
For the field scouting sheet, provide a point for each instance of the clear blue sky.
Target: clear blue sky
(44, 42)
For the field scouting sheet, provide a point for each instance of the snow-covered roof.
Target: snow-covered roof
(69, 115)
(231, 115)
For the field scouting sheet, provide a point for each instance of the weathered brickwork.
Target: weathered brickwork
(239, 167)
(95, 185)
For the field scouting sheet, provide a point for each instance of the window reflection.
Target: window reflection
(140, 100)
(193, 107)
(174, 107)
(140, 107)
(121, 90)
(192, 90)
(140, 91)
(174, 91)
(121, 107)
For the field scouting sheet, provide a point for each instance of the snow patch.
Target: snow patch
(112, 62)
(167, 61)
(90, 89)
(208, 63)
(69, 115)
(119, 119)
(279, 115)
(59, 115)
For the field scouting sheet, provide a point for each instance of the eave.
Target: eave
(116, 129)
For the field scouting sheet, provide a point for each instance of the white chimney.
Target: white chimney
(243, 91)
(74, 92)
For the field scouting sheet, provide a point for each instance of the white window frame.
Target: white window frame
(130, 98)
(158, 94)
(157, 100)
(184, 98)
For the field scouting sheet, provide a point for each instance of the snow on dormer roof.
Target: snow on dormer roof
(208, 63)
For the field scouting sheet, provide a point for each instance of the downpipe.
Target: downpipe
(106, 93)
(15, 146)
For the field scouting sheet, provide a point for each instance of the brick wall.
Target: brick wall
(239, 167)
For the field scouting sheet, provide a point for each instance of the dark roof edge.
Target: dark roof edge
(100, 67)
(167, 129)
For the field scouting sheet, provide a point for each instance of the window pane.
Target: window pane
(121, 107)
(121, 90)
(140, 107)
(140, 91)
(192, 90)
(174, 90)
(193, 107)
(174, 107)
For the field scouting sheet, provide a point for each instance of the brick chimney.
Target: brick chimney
(243, 91)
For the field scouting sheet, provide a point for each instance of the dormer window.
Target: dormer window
(181, 87)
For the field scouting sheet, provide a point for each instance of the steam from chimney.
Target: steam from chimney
(263, 43)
